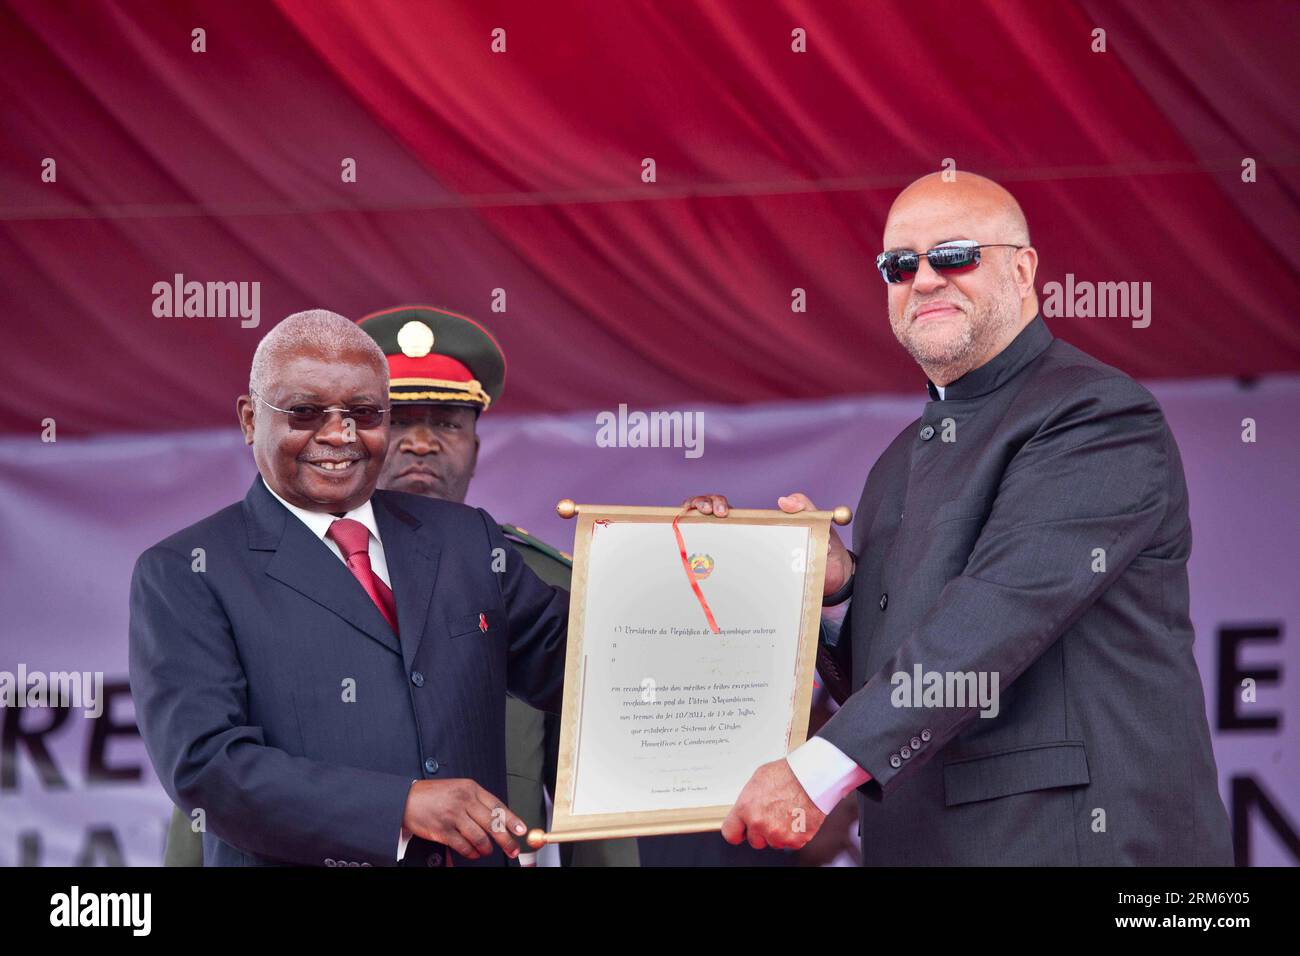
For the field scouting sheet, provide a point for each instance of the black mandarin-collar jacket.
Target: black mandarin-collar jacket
(1034, 525)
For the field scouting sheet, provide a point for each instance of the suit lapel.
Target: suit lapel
(305, 563)
(412, 559)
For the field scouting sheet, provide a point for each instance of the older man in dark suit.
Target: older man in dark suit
(1018, 648)
(322, 668)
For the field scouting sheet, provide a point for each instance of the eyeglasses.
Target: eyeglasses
(960, 255)
(306, 416)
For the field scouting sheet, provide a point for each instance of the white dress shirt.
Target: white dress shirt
(318, 522)
(825, 772)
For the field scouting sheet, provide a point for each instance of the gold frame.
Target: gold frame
(565, 827)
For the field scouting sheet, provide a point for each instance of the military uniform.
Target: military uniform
(439, 357)
(533, 737)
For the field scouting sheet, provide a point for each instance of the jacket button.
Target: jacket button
(884, 601)
(915, 743)
(925, 736)
(417, 678)
(927, 433)
(431, 766)
(433, 859)
(905, 752)
(895, 761)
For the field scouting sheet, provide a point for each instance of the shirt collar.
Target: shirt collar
(318, 522)
(994, 373)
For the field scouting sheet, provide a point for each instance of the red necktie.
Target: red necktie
(353, 539)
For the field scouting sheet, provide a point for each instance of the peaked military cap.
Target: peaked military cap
(438, 357)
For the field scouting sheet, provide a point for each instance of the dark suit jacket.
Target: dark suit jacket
(978, 554)
(238, 674)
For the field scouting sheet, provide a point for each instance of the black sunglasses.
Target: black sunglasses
(960, 255)
(307, 416)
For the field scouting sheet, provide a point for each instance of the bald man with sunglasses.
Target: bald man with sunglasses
(1015, 667)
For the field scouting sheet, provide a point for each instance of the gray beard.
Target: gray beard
(946, 354)
(957, 356)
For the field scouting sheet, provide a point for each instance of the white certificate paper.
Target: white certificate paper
(671, 714)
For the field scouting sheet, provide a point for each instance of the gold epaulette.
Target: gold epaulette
(523, 537)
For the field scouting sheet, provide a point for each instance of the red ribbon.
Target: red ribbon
(690, 576)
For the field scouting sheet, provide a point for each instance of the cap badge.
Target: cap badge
(415, 339)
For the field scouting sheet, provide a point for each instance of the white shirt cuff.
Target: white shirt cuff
(404, 836)
(825, 772)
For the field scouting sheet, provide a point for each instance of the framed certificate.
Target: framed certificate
(691, 650)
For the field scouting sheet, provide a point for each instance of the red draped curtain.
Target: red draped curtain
(521, 171)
